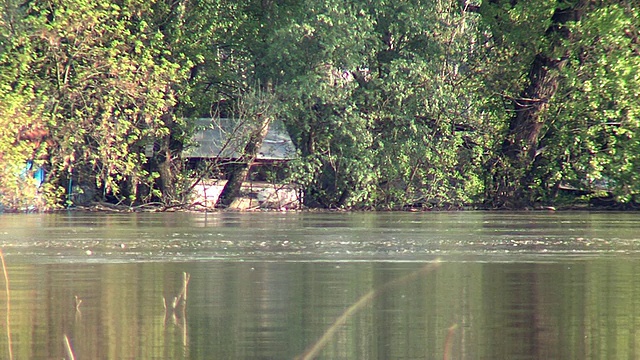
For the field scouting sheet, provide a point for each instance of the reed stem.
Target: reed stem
(315, 348)
(448, 343)
(8, 319)
(68, 348)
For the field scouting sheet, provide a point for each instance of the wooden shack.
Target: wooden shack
(217, 144)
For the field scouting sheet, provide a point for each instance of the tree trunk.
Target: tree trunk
(520, 146)
(167, 166)
(239, 171)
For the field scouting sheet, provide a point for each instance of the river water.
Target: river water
(429, 285)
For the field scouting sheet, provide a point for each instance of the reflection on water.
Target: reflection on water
(266, 286)
(269, 310)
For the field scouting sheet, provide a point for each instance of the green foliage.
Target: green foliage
(100, 84)
(587, 137)
(389, 103)
(17, 188)
(377, 105)
(597, 123)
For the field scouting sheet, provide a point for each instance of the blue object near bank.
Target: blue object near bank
(39, 174)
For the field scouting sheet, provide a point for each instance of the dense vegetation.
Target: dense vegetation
(390, 103)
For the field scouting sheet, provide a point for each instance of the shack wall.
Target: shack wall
(254, 195)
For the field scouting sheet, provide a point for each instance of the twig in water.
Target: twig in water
(166, 310)
(314, 349)
(8, 319)
(185, 290)
(185, 285)
(78, 302)
(182, 297)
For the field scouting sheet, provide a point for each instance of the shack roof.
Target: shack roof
(225, 138)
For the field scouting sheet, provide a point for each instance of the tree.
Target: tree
(379, 101)
(431, 103)
(256, 111)
(597, 146)
(21, 133)
(546, 137)
(520, 146)
(100, 86)
(202, 38)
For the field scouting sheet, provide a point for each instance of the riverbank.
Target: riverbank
(200, 207)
